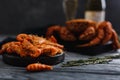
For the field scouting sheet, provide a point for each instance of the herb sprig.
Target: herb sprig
(103, 60)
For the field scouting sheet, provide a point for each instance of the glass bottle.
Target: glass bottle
(70, 8)
(95, 10)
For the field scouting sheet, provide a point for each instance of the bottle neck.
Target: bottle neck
(96, 5)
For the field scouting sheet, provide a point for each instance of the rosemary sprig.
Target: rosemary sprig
(104, 60)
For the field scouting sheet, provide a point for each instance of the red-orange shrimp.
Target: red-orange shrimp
(38, 67)
(29, 49)
(66, 35)
(96, 40)
(22, 36)
(88, 34)
(52, 39)
(107, 26)
(52, 29)
(116, 43)
(50, 50)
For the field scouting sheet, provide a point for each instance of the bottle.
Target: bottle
(70, 8)
(95, 10)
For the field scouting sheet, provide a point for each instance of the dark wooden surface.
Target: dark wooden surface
(87, 72)
(109, 71)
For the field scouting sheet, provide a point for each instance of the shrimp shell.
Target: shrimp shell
(38, 67)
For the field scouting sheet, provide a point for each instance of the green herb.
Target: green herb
(88, 61)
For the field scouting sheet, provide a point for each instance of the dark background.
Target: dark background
(19, 15)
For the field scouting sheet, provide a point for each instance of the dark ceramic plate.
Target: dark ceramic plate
(93, 50)
(16, 60)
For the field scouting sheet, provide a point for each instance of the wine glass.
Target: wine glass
(70, 8)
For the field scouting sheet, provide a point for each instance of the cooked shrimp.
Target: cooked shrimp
(107, 26)
(116, 43)
(88, 34)
(38, 67)
(96, 40)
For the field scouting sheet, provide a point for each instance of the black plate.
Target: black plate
(93, 50)
(16, 60)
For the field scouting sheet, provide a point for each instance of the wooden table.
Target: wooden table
(109, 71)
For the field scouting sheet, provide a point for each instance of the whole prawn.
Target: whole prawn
(38, 67)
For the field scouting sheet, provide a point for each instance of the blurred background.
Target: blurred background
(19, 15)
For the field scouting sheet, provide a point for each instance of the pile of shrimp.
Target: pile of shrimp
(33, 46)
